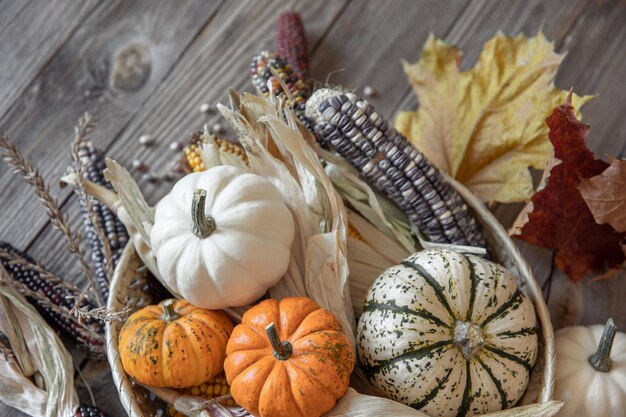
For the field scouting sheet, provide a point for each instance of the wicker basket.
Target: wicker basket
(137, 401)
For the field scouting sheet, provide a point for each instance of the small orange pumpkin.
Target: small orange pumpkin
(288, 358)
(174, 344)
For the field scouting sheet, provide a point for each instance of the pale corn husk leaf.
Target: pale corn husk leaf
(533, 410)
(365, 265)
(380, 242)
(232, 160)
(379, 211)
(278, 150)
(130, 196)
(210, 150)
(48, 355)
(369, 257)
(138, 217)
(354, 404)
(15, 337)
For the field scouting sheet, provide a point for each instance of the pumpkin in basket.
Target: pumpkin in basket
(448, 334)
(174, 344)
(222, 237)
(288, 358)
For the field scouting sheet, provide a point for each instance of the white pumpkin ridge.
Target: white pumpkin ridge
(228, 249)
(448, 334)
(591, 371)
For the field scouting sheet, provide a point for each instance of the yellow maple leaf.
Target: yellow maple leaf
(486, 126)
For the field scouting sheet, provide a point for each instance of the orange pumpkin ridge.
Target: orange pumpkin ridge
(288, 358)
(174, 344)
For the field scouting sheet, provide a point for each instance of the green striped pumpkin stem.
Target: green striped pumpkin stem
(601, 360)
(468, 337)
(282, 350)
(202, 226)
(169, 314)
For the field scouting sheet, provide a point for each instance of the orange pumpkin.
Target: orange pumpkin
(288, 358)
(174, 344)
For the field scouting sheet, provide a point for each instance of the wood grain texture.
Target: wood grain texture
(48, 24)
(77, 80)
(63, 54)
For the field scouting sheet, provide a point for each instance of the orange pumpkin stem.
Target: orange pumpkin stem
(201, 225)
(169, 314)
(282, 350)
(601, 360)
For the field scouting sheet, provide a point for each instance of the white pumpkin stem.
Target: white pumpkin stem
(282, 350)
(601, 360)
(202, 226)
(169, 314)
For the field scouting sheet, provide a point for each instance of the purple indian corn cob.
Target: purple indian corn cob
(290, 44)
(116, 234)
(54, 300)
(264, 80)
(350, 125)
(89, 411)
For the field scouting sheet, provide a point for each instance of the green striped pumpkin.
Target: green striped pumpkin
(448, 334)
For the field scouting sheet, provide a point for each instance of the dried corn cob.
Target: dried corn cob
(191, 151)
(93, 162)
(290, 44)
(89, 411)
(265, 81)
(54, 299)
(216, 387)
(390, 163)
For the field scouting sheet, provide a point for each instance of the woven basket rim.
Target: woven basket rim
(506, 249)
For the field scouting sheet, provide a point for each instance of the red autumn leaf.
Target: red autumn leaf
(605, 195)
(557, 216)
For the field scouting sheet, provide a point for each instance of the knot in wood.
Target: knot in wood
(131, 67)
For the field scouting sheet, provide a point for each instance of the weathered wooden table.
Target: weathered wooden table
(58, 60)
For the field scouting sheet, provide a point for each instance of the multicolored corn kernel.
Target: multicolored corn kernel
(350, 125)
(290, 42)
(89, 411)
(216, 387)
(54, 300)
(191, 152)
(352, 232)
(92, 161)
(262, 70)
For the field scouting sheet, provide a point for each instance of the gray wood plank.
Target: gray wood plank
(10, 10)
(78, 79)
(48, 25)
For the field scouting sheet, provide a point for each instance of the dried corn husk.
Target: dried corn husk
(277, 150)
(354, 404)
(36, 375)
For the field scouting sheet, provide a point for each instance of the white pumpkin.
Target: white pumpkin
(448, 334)
(222, 237)
(591, 371)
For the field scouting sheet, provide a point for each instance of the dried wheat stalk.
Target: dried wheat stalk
(20, 166)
